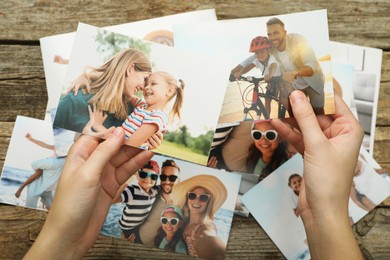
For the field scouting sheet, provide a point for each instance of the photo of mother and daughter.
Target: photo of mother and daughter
(113, 102)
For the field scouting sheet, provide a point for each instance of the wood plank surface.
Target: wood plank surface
(22, 82)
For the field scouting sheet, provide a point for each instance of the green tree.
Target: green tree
(110, 43)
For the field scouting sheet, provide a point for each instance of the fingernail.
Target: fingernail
(117, 131)
(297, 96)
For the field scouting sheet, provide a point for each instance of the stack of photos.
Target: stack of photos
(199, 93)
(178, 192)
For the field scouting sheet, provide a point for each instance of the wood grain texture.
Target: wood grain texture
(22, 82)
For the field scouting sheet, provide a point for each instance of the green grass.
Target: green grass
(181, 152)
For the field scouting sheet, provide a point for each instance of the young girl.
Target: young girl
(294, 182)
(148, 116)
(267, 152)
(170, 234)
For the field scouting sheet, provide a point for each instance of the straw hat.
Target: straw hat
(209, 182)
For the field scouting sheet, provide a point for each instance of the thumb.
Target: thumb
(305, 117)
(104, 152)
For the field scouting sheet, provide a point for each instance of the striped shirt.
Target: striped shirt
(142, 116)
(138, 205)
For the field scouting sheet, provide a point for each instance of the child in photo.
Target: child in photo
(265, 62)
(294, 182)
(148, 116)
(138, 199)
(170, 234)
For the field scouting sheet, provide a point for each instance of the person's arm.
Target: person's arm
(38, 142)
(99, 168)
(244, 70)
(142, 135)
(29, 180)
(209, 246)
(271, 71)
(82, 81)
(243, 64)
(236, 69)
(305, 71)
(330, 146)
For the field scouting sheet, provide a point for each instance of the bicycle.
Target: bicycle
(280, 91)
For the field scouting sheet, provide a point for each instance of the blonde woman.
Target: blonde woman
(199, 198)
(149, 115)
(112, 90)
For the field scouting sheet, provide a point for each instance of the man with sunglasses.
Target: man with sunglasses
(169, 177)
(138, 199)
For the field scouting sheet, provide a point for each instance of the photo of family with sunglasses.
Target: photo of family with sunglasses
(249, 147)
(185, 209)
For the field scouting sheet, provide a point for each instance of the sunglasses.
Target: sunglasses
(270, 135)
(171, 178)
(202, 197)
(172, 221)
(144, 175)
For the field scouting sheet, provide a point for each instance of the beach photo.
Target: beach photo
(33, 165)
(269, 57)
(177, 206)
(148, 89)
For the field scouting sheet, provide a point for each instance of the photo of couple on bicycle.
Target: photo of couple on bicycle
(279, 62)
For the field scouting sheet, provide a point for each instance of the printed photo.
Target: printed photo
(56, 49)
(176, 206)
(150, 90)
(33, 165)
(249, 147)
(367, 64)
(269, 58)
(278, 195)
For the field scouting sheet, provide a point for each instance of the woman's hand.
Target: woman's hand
(92, 174)
(95, 127)
(81, 82)
(330, 147)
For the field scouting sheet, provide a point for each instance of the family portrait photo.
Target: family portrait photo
(148, 89)
(270, 57)
(176, 206)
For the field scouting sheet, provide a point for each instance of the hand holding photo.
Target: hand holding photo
(176, 206)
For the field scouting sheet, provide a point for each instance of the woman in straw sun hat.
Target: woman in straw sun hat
(199, 198)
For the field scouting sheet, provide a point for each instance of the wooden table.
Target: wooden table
(23, 89)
